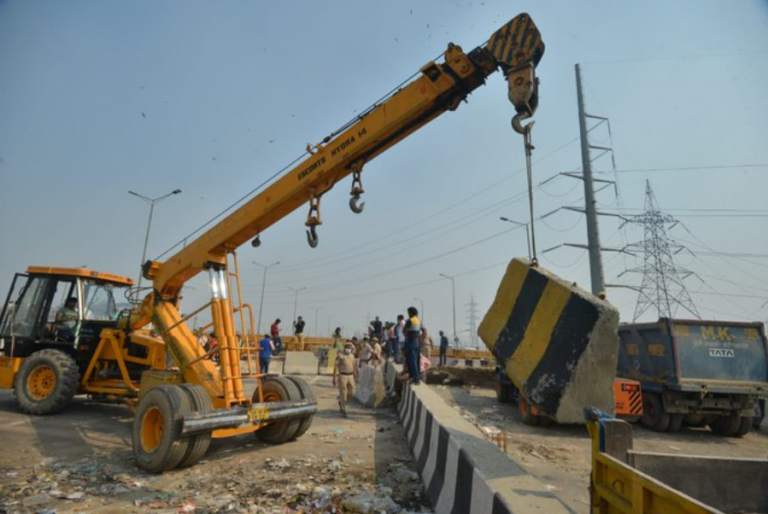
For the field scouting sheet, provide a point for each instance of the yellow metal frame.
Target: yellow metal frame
(617, 487)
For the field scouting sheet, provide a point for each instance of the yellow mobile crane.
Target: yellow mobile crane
(49, 356)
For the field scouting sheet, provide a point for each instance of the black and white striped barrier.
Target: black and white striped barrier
(464, 473)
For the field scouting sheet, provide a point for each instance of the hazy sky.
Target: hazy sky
(98, 98)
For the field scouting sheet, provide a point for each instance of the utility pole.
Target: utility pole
(263, 287)
(317, 328)
(593, 234)
(295, 300)
(422, 308)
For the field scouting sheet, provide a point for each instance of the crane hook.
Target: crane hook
(519, 127)
(312, 238)
(357, 209)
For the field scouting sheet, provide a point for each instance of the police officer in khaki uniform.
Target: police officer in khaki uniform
(345, 373)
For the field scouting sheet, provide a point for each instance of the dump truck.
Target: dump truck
(627, 481)
(53, 348)
(698, 373)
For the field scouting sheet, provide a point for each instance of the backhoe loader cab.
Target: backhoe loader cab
(50, 326)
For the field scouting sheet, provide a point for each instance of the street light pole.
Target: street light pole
(152, 202)
(527, 232)
(329, 323)
(453, 294)
(317, 329)
(263, 286)
(422, 308)
(295, 300)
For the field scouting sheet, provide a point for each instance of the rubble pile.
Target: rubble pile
(236, 483)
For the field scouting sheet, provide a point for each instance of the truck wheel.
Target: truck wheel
(654, 416)
(759, 414)
(156, 435)
(306, 394)
(199, 401)
(675, 422)
(727, 425)
(46, 382)
(278, 389)
(744, 427)
(526, 414)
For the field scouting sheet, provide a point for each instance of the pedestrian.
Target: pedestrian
(412, 333)
(425, 343)
(345, 375)
(277, 341)
(298, 331)
(443, 349)
(377, 327)
(399, 341)
(337, 343)
(204, 341)
(266, 347)
(366, 353)
(376, 358)
(213, 344)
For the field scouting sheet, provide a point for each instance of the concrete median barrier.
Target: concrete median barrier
(300, 363)
(557, 342)
(463, 472)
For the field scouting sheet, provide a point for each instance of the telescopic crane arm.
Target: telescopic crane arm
(516, 49)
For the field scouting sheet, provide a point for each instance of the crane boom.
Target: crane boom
(516, 49)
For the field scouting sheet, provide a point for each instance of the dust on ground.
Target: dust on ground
(81, 461)
(559, 455)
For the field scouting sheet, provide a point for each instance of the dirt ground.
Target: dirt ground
(559, 456)
(81, 461)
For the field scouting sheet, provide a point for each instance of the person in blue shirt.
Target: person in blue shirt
(266, 346)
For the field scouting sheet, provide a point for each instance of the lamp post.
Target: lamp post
(263, 286)
(527, 232)
(152, 202)
(453, 294)
(295, 300)
(422, 307)
(317, 328)
(329, 323)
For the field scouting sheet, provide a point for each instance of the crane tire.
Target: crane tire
(654, 416)
(278, 389)
(156, 435)
(198, 444)
(46, 382)
(306, 394)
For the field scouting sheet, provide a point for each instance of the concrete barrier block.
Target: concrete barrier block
(461, 470)
(300, 363)
(371, 390)
(557, 342)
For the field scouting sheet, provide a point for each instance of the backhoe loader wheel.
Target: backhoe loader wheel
(306, 394)
(278, 389)
(46, 382)
(654, 416)
(157, 442)
(198, 444)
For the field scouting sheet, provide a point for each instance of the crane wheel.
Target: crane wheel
(198, 444)
(278, 389)
(156, 435)
(46, 382)
(654, 416)
(306, 394)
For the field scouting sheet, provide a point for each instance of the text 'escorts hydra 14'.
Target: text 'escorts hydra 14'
(63, 332)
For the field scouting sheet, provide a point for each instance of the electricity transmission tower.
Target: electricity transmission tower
(662, 287)
(473, 318)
